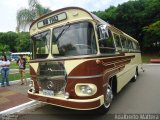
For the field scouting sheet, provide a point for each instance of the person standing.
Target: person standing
(22, 66)
(5, 70)
(0, 64)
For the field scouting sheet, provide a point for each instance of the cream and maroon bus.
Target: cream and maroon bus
(79, 60)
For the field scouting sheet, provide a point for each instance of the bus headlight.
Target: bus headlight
(85, 89)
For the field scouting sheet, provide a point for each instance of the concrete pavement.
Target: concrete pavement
(139, 97)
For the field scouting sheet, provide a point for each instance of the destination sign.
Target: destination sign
(52, 20)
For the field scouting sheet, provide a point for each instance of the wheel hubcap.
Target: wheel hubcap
(109, 97)
(135, 76)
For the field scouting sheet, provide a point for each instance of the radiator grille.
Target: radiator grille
(51, 76)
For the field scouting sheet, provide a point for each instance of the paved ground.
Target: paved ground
(12, 96)
(143, 96)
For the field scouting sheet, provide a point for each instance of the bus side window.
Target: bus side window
(118, 42)
(136, 46)
(106, 43)
(124, 43)
(130, 46)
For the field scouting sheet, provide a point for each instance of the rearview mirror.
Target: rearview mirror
(103, 32)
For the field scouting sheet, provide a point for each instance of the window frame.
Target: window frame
(105, 48)
(118, 48)
(90, 38)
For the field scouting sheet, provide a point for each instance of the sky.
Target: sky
(9, 8)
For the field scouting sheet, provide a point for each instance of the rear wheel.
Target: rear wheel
(135, 76)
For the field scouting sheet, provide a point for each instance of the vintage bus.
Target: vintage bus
(80, 61)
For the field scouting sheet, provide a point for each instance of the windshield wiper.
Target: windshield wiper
(63, 31)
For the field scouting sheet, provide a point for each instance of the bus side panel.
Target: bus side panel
(125, 76)
(129, 71)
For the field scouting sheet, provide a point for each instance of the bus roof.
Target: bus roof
(72, 14)
(94, 17)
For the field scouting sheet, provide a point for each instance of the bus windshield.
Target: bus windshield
(74, 39)
(41, 44)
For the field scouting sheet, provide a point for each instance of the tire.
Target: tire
(135, 76)
(137, 72)
(107, 101)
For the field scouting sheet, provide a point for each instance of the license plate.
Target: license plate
(48, 92)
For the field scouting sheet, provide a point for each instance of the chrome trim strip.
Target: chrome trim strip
(85, 77)
(94, 56)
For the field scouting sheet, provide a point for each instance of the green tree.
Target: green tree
(4, 47)
(152, 36)
(26, 16)
(15, 42)
(132, 16)
(23, 42)
(8, 40)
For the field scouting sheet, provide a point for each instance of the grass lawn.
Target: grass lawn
(14, 65)
(13, 77)
(146, 57)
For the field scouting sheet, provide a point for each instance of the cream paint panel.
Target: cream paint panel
(137, 59)
(34, 66)
(125, 76)
(101, 98)
(129, 71)
(71, 64)
(71, 16)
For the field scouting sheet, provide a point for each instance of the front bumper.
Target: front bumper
(86, 104)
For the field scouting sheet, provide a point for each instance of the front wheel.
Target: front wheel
(107, 101)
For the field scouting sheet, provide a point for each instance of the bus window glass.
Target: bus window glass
(74, 39)
(136, 46)
(106, 43)
(123, 40)
(41, 44)
(130, 45)
(117, 40)
(124, 43)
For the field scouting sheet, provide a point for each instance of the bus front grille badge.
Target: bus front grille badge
(52, 76)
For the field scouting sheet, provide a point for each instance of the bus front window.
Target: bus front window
(41, 44)
(74, 39)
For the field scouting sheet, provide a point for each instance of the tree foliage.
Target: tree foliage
(152, 35)
(138, 18)
(26, 16)
(132, 16)
(15, 42)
